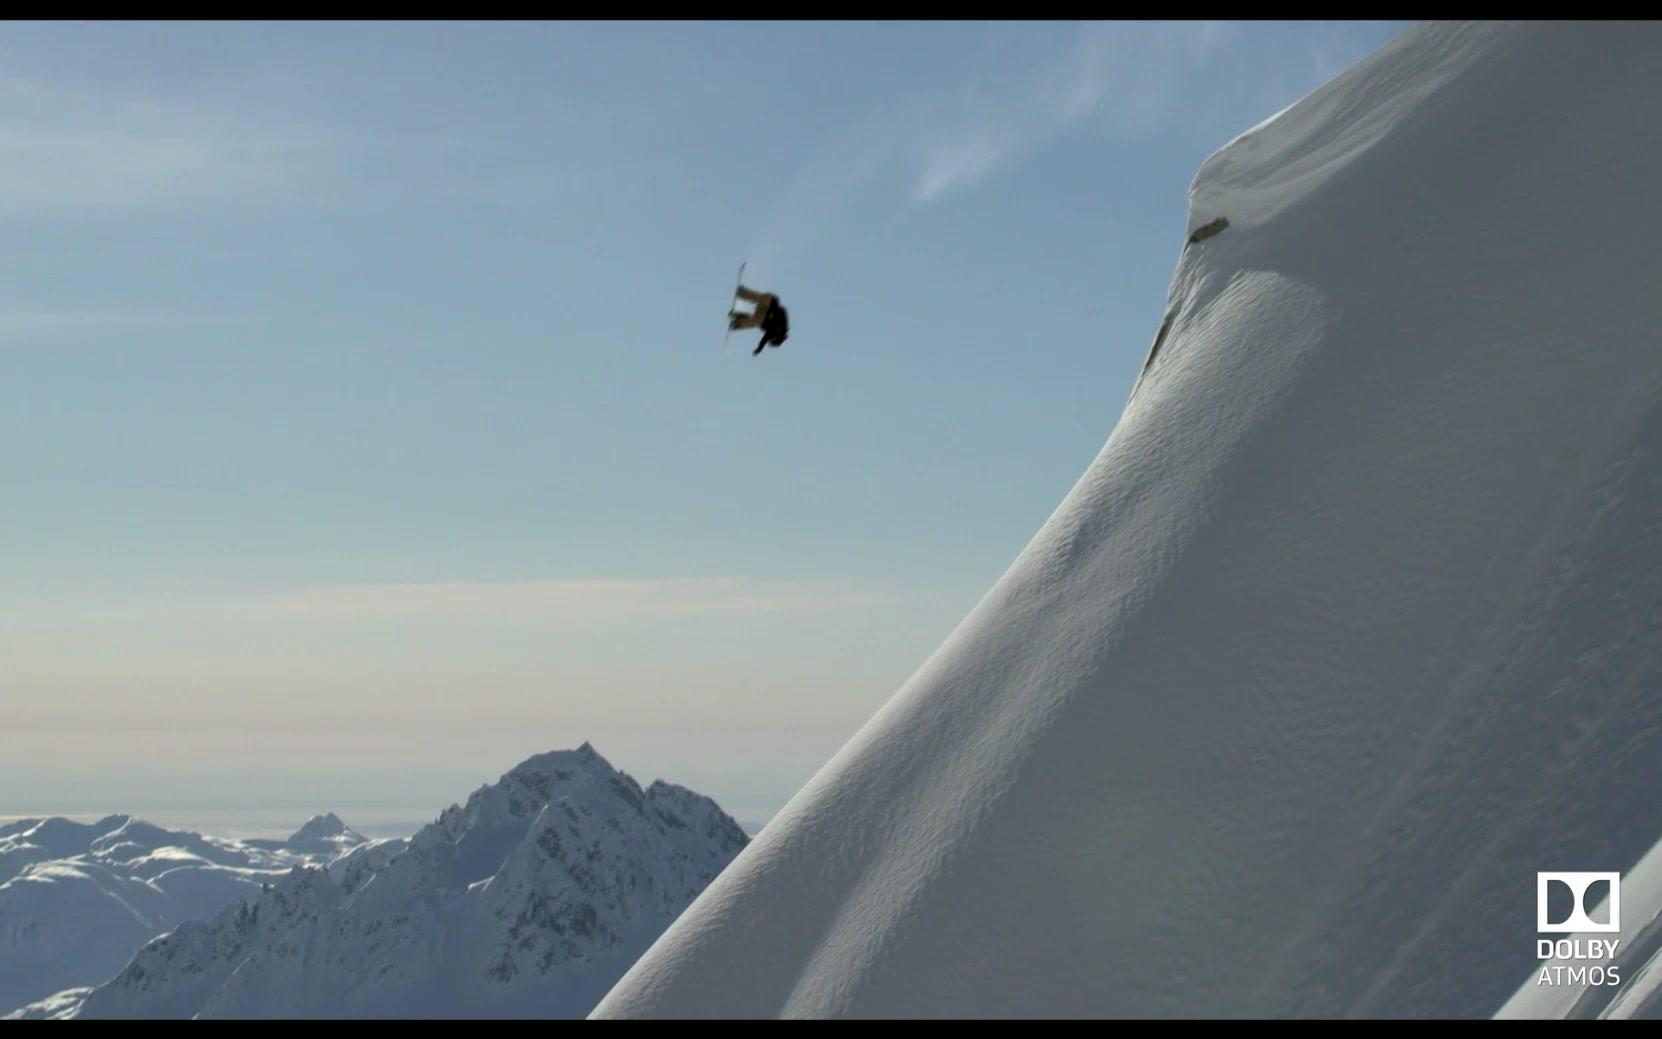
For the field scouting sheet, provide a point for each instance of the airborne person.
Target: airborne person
(768, 315)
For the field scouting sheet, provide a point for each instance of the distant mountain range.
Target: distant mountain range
(530, 900)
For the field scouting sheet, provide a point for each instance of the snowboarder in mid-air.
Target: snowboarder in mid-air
(768, 316)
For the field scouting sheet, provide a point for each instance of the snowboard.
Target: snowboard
(735, 302)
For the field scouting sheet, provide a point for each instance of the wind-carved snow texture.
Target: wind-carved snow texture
(528, 901)
(1354, 624)
(77, 900)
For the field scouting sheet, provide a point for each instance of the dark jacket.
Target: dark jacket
(776, 326)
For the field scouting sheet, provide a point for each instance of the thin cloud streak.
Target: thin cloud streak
(72, 148)
(950, 139)
(1127, 81)
(570, 599)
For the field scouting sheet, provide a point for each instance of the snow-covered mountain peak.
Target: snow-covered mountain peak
(319, 827)
(325, 833)
(528, 900)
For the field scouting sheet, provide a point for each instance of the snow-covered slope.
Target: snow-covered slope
(1354, 624)
(530, 900)
(77, 900)
(1628, 982)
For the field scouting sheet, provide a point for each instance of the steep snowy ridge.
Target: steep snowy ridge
(355, 867)
(77, 900)
(1354, 624)
(530, 899)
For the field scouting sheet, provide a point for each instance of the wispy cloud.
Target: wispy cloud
(70, 147)
(24, 325)
(1030, 88)
(324, 631)
(1126, 76)
(569, 599)
(1033, 87)
(555, 601)
(965, 159)
(1334, 48)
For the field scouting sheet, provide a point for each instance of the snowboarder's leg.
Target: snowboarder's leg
(764, 303)
(763, 300)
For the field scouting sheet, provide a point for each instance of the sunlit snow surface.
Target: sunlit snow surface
(1354, 624)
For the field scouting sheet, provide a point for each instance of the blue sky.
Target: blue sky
(366, 426)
